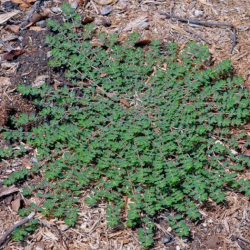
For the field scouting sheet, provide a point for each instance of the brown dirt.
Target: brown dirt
(225, 226)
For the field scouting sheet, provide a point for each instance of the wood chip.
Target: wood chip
(140, 21)
(15, 205)
(50, 235)
(115, 234)
(8, 191)
(13, 53)
(13, 28)
(39, 81)
(125, 102)
(96, 44)
(6, 16)
(26, 164)
(4, 81)
(88, 19)
(143, 42)
(103, 75)
(226, 226)
(177, 28)
(204, 2)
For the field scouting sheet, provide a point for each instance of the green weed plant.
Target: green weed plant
(136, 124)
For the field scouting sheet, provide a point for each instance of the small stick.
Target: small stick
(234, 40)
(195, 21)
(204, 23)
(20, 223)
(61, 236)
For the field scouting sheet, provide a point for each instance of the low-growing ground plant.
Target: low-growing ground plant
(148, 125)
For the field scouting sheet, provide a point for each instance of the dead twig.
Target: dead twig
(234, 40)
(61, 236)
(195, 21)
(205, 23)
(20, 223)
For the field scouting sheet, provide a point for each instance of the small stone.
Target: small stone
(210, 221)
(234, 152)
(39, 81)
(74, 5)
(33, 159)
(198, 13)
(166, 239)
(242, 28)
(64, 227)
(16, 164)
(84, 226)
(56, 9)
(48, 54)
(107, 9)
(106, 23)
(9, 6)
(184, 239)
(41, 23)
